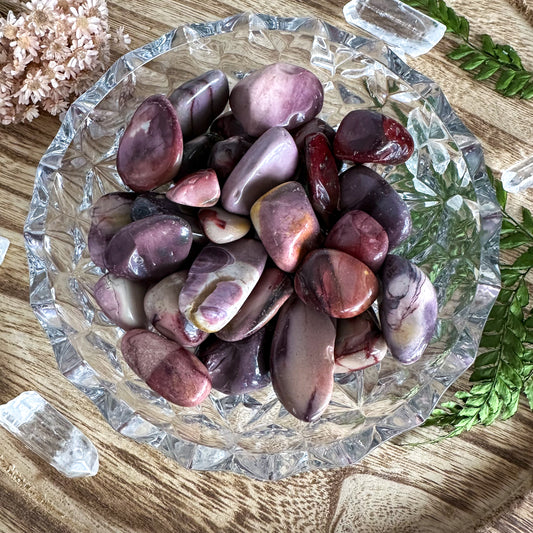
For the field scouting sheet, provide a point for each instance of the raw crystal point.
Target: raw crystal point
(408, 309)
(518, 177)
(4, 245)
(396, 23)
(220, 279)
(286, 224)
(199, 101)
(46, 432)
(302, 359)
(271, 160)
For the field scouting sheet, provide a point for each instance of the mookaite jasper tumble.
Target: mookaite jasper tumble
(161, 305)
(151, 148)
(276, 95)
(271, 160)
(199, 189)
(366, 190)
(121, 300)
(359, 343)
(222, 227)
(272, 290)
(286, 224)
(149, 248)
(408, 309)
(226, 154)
(335, 283)
(238, 367)
(199, 101)
(302, 360)
(166, 367)
(315, 125)
(196, 153)
(365, 136)
(220, 279)
(110, 213)
(359, 235)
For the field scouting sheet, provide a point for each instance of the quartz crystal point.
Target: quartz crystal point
(408, 309)
(280, 94)
(518, 177)
(272, 290)
(220, 279)
(399, 25)
(302, 359)
(4, 245)
(366, 190)
(166, 367)
(199, 101)
(46, 432)
(286, 224)
(151, 148)
(271, 160)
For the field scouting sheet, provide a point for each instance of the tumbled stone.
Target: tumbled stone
(302, 360)
(366, 136)
(335, 283)
(110, 213)
(149, 248)
(227, 126)
(280, 94)
(271, 292)
(226, 154)
(408, 308)
(121, 300)
(238, 367)
(199, 101)
(161, 305)
(271, 160)
(199, 189)
(359, 343)
(221, 227)
(315, 125)
(366, 190)
(322, 176)
(196, 153)
(150, 150)
(361, 236)
(220, 279)
(166, 367)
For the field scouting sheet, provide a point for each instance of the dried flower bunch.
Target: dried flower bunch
(51, 51)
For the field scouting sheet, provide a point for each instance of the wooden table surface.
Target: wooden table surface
(481, 481)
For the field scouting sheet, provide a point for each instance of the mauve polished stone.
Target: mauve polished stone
(150, 150)
(408, 308)
(361, 236)
(302, 360)
(271, 160)
(335, 283)
(280, 94)
(220, 279)
(315, 125)
(166, 367)
(222, 227)
(199, 101)
(286, 224)
(196, 153)
(199, 189)
(366, 190)
(226, 154)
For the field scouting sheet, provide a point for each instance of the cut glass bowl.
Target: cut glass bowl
(454, 240)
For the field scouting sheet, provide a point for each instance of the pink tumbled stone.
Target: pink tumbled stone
(221, 227)
(361, 236)
(199, 189)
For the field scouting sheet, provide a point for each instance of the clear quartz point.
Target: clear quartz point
(4, 245)
(45, 431)
(518, 177)
(399, 25)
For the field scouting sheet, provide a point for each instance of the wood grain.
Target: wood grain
(480, 481)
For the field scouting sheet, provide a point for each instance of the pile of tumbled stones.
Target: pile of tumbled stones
(260, 263)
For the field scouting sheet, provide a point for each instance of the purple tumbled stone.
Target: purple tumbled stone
(280, 94)
(238, 367)
(199, 101)
(272, 290)
(220, 279)
(227, 126)
(302, 359)
(366, 190)
(199, 189)
(271, 160)
(226, 154)
(149, 248)
(286, 224)
(361, 236)
(408, 308)
(161, 305)
(196, 153)
(316, 125)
